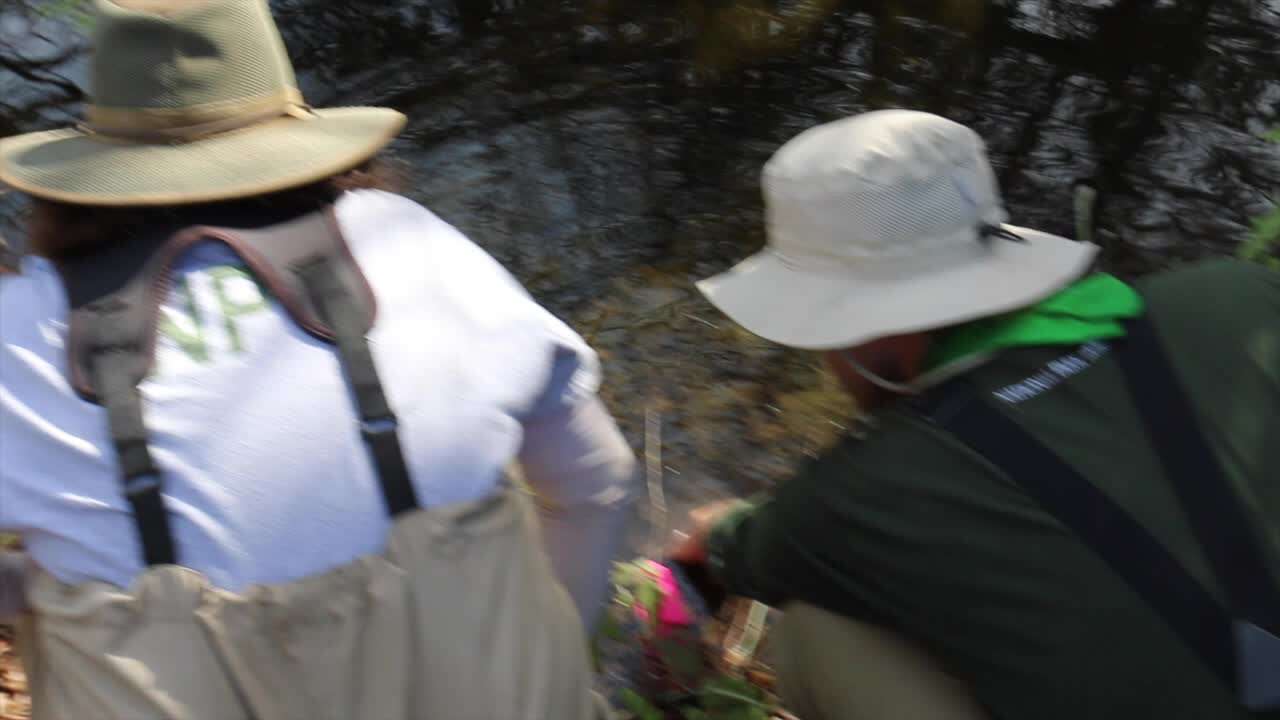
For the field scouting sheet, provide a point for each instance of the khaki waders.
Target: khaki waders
(460, 619)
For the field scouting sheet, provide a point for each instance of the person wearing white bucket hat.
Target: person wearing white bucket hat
(1064, 507)
(257, 411)
(886, 223)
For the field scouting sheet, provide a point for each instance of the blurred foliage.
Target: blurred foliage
(1263, 245)
(679, 673)
(75, 12)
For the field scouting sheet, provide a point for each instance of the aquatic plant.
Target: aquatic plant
(1264, 240)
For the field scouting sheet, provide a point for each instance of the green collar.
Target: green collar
(1090, 309)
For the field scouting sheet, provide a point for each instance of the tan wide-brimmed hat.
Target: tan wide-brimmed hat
(886, 223)
(191, 101)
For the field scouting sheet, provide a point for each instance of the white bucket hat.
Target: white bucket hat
(887, 223)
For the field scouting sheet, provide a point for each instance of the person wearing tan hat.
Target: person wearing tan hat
(1065, 505)
(257, 411)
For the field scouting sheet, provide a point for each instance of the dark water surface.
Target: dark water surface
(609, 151)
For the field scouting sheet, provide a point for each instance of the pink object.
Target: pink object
(672, 611)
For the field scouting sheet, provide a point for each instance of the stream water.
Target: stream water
(608, 152)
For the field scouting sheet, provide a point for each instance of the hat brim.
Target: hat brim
(84, 168)
(844, 305)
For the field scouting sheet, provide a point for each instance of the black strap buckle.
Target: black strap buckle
(141, 485)
(376, 427)
(142, 490)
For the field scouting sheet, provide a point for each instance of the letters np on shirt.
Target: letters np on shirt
(204, 322)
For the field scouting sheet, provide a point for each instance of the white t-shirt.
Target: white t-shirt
(266, 477)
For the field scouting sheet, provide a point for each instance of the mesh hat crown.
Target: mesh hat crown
(886, 223)
(882, 185)
(171, 67)
(191, 101)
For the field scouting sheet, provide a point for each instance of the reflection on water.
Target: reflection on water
(609, 151)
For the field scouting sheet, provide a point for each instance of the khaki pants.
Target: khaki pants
(460, 618)
(834, 668)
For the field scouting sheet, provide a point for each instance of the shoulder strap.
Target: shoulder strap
(1242, 653)
(115, 292)
(1221, 525)
(1105, 527)
(328, 282)
(1216, 514)
(108, 353)
(308, 266)
(115, 295)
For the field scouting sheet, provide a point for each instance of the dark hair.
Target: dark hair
(58, 229)
(8, 258)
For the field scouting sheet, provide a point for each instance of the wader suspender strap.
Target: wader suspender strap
(138, 472)
(109, 351)
(378, 425)
(1231, 650)
(115, 295)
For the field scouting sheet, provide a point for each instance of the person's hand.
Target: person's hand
(689, 551)
(690, 547)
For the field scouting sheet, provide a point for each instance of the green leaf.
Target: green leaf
(1267, 226)
(638, 706)
(624, 574)
(693, 713)
(1263, 240)
(650, 598)
(733, 698)
(735, 685)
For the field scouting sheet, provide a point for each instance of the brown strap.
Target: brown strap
(129, 281)
(115, 294)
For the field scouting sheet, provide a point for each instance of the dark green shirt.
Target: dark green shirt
(911, 529)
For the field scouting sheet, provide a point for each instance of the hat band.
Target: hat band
(958, 247)
(181, 125)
